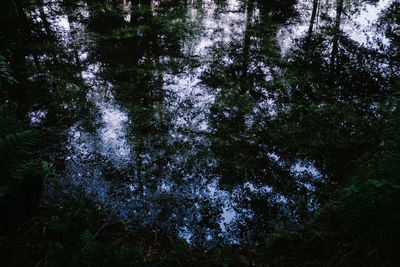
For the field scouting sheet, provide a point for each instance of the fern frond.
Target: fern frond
(4, 73)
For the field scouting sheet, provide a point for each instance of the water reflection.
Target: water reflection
(358, 22)
(168, 109)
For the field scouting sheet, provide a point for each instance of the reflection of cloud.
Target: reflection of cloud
(220, 26)
(90, 152)
(113, 121)
(361, 27)
(37, 116)
(81, 167)
(113, 133)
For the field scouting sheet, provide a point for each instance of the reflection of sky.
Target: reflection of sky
(224, 27)
(99, 145)
(37, 116)
(89, 151)
(359, 27)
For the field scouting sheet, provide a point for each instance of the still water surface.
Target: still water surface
(166, 107)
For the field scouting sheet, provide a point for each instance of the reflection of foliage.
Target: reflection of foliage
(360, 224)
(328, 114)
(280, 10)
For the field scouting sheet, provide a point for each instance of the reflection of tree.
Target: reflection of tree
(326, 116)
(167, 171)
(339, 9)
(330, 114)
(328, 96)
(389, 25)
(279, 10)
(243, 85)
(241, 139)
(313, 16)
(38, 52)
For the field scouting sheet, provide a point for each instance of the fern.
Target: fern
(21, 172)
(15, 152)
(20, 141)
(88, 239)
(5, 75)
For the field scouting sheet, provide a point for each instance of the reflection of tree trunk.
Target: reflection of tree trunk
(246, 45)
(77, 60)
(73, 33)
(43, 17)
(19, 56)
(339, 9)
(22, 17)
(313, 16)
